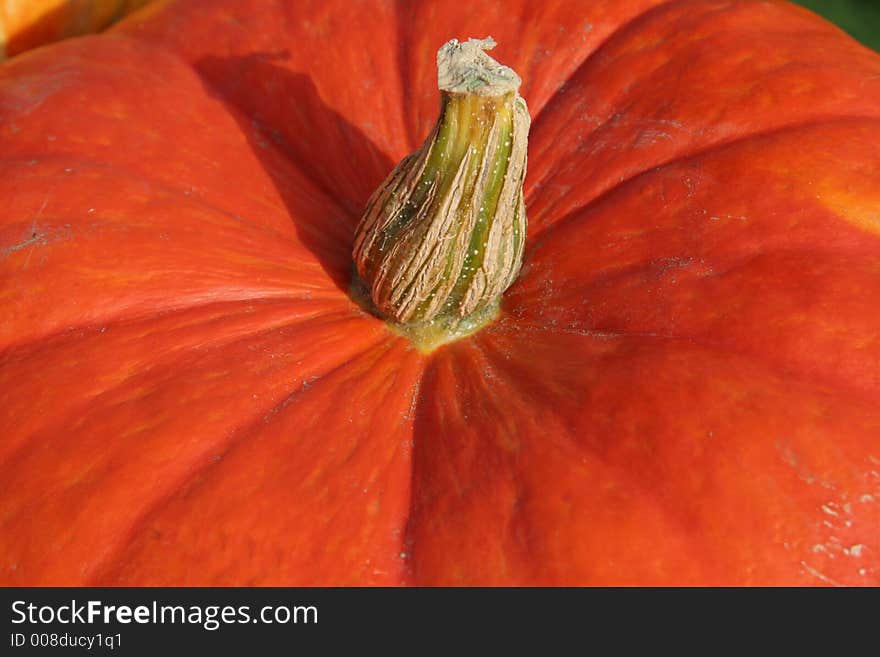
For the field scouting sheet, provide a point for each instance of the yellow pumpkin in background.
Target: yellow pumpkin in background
(26, 24)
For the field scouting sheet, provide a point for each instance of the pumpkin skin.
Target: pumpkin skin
(683, 386)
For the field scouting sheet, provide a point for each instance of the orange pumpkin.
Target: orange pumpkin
(683, 386)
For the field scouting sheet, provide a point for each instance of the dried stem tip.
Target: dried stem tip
(443, 236)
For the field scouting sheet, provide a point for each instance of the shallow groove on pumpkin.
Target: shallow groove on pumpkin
(602, 447)
(622, 184)
(674, 126)
(70, 161)
(226, 441)
(618, 32)
(828, 382)
(114, 568)
(149, 364)
(163, 366)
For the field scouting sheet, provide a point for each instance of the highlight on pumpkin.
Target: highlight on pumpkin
(26, 24)
(442, 238)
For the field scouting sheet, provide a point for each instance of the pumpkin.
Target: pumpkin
(31, 23)
(682, 386)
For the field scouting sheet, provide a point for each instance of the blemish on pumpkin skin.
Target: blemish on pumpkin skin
(648, 138)
(35, 238)
(818, 575)
(790, 458)
(855, 550)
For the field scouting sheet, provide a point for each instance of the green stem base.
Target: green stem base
(429, 335)
(433, 333)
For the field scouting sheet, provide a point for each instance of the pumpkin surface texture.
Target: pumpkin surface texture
(682, 386)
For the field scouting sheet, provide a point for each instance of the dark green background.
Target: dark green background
(861, 18)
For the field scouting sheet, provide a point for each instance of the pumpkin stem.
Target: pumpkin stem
(442, 237)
